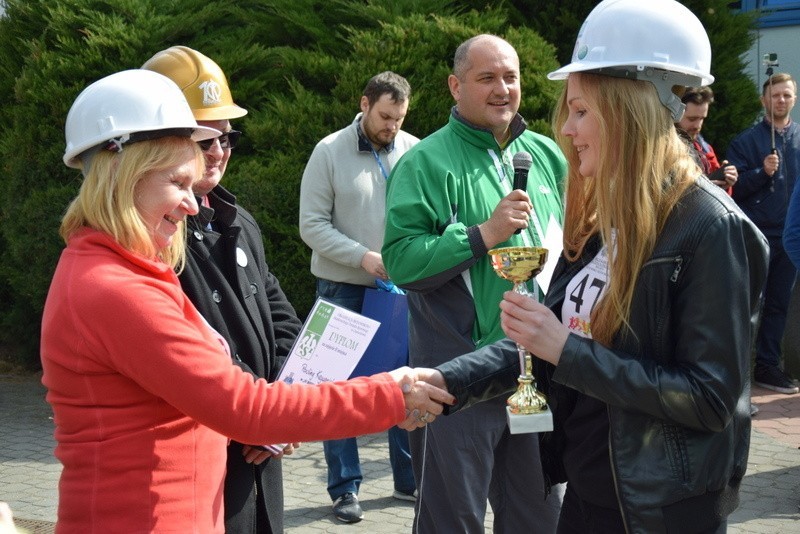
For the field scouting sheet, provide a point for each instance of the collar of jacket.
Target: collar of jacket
(364, 144)
(222, 208)
(482, 137)
(89, 239)
(778, 131)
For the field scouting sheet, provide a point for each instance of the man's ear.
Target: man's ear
(455, 86)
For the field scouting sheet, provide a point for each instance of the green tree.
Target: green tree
(736, 103)
(298, 68)
(731, 35)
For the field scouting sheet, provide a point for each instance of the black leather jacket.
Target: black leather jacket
(677, 389)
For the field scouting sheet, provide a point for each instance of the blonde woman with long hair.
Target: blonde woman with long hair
(643, 342)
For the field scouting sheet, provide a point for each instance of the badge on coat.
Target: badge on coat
(241, 257)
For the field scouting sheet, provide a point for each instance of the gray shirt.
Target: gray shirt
(343, 203)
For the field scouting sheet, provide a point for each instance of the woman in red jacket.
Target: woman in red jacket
(143, 392)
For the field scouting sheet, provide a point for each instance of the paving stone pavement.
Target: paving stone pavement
(29, 472)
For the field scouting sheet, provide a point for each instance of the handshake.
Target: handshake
(425, 393)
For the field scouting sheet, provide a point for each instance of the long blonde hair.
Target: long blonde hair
(106, 200)
(643, 170)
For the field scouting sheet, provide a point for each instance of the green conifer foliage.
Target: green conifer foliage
(323, 97)
(736, 103)
(298, 67)
(730, 32)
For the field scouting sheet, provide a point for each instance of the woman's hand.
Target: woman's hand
(423, 400)
(533, 326)
(431, 376)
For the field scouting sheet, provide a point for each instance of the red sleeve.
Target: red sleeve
(147, 330)
(711, 156)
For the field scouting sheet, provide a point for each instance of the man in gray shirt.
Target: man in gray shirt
(342, 212)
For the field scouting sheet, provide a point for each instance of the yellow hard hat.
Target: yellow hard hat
(202, 81)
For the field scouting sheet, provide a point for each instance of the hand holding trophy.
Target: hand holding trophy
(527, 409)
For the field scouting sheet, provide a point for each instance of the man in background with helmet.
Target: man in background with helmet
(227, 278)
(767, 156)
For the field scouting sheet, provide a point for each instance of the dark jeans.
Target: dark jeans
(341, 455)
(777, 293)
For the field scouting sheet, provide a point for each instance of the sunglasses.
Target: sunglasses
(226, 141)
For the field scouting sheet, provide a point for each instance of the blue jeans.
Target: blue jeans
(341, 455)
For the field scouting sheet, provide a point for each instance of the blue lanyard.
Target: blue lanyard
(378, 159)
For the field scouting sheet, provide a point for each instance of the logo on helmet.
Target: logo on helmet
(211, 92)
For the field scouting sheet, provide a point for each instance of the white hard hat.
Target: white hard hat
(128, 106)
(660, 41)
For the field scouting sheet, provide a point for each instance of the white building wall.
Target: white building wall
(784, 41)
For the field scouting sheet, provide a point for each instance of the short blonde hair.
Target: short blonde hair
(106, 200)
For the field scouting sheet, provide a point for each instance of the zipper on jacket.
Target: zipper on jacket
(677, 261)
(678, 266)
(614, 473)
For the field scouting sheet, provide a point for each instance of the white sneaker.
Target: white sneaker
(405, 496)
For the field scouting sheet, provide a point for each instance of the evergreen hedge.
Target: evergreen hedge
(299, 68)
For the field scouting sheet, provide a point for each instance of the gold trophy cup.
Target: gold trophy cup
(527, 409)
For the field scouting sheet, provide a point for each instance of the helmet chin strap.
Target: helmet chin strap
(115, 144)
(663, 80)
(671, 102)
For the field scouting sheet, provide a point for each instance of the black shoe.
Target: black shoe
(347, 510)
(775, 379)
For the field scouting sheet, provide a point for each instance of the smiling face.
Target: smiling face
(583, 128)
(164, 197)
(216, 160)
(487, 92)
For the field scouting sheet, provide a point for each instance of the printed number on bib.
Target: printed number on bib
(581, 292)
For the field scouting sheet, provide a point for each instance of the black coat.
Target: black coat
(227, 278)
(677, 391)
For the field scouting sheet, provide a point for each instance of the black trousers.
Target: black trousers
(581, 517)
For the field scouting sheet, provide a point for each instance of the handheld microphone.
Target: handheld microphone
(522, 162)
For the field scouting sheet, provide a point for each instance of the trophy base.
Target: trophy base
(527, 423)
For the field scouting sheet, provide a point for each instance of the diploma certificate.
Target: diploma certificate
(332, 341)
